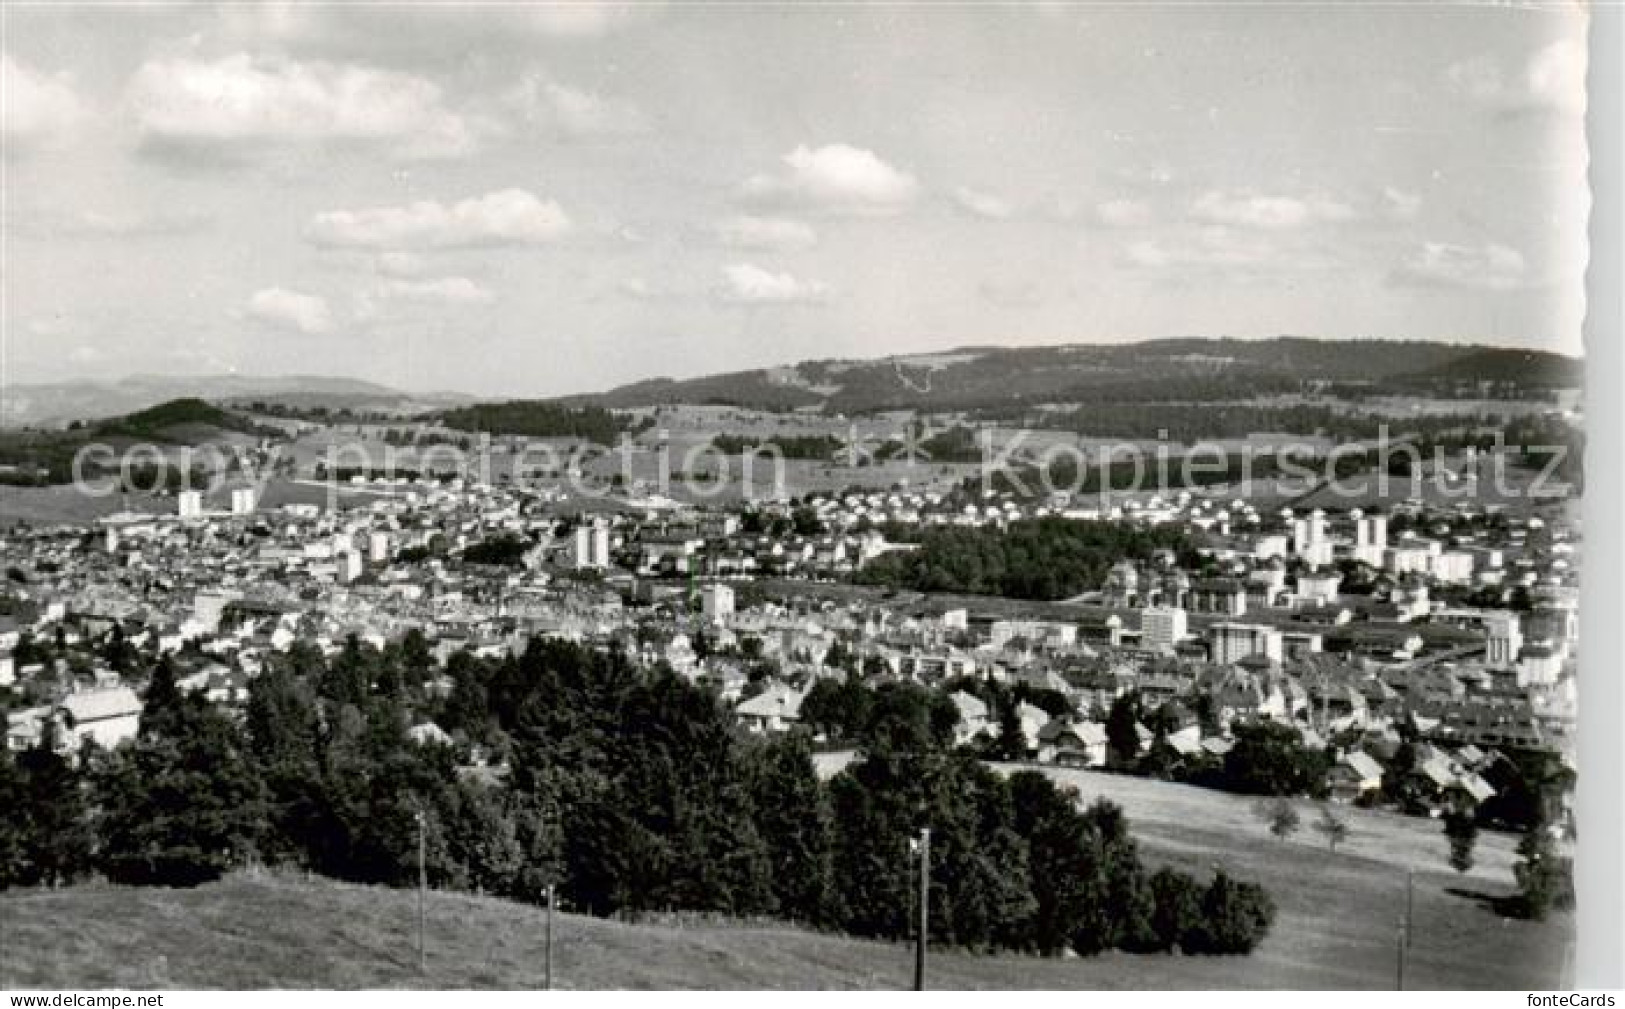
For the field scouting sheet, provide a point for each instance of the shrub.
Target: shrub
(1235, 917)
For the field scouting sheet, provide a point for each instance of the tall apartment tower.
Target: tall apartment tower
(1371, 531)
(1309, 539)
(1503, 638)
(591, 549)
(189, 504)
(1232, 642)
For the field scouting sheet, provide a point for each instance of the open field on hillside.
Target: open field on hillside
(285, 932)
(1336, 927)
(1339, 912)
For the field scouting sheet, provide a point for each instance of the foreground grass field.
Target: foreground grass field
(1337, 927)
(1340, 912)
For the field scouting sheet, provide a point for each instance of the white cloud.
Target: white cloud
(306, 313)
(775, 233)
(1400, 205)
(239, 101)
(643, 290)
(1478, 78)
(34, 109)
(509, 217)
(401, 264)
(423, 33)
(835, 177)
(1260, 210)
(746, 284)
(1553, 79)
(1489, 267)
(1213, 247)
(133, 224)
(459, 290)
(571, 111)
(1123, 213)
(1556, 77)
(983, 204)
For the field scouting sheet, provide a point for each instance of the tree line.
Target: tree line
(628, 789)
(539, 419)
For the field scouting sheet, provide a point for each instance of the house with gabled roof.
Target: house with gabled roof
(973, 716)
(773, 710)
(108, 716)
(1073, 743)
(1355, 774)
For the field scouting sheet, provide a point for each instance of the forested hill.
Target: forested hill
(1173, 370)
(175, 420)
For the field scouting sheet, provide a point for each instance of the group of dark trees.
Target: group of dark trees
(1265, 758)
(1045, 558)
(502, 550)
(629, 790)
(820, 446)
(539, 419)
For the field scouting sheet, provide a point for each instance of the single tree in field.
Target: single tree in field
(1280, 815)
(1545, 878)
(1461, 828)
(1333, 826)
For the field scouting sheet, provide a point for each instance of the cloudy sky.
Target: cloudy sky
(529, 200)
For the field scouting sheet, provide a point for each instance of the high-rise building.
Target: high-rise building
(1371, 531)
(591, 550)
(1163, 627)
(1503, 638)
(1230, 642)
(1370, 538)
(378, 547)
(1309, 539)
(717, 602)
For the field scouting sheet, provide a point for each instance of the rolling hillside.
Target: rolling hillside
(1179, 370)
(1336, 926)
(45, 458)
(55, 404)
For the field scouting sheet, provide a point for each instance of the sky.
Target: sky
(529, 200)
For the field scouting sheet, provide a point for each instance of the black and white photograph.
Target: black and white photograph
(762, 495)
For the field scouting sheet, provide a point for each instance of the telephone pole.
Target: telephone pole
(1404, 940)
(423, 892)
(1410, 918)
(547, 956)
(925, 909)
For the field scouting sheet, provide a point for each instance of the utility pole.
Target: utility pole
(1404, 940)
(1410, 917)
(423, 893)
(547, 961)
(925, 909)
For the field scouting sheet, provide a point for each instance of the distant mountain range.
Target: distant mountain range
(995, 380)
(1193, 370)
(58, 403)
